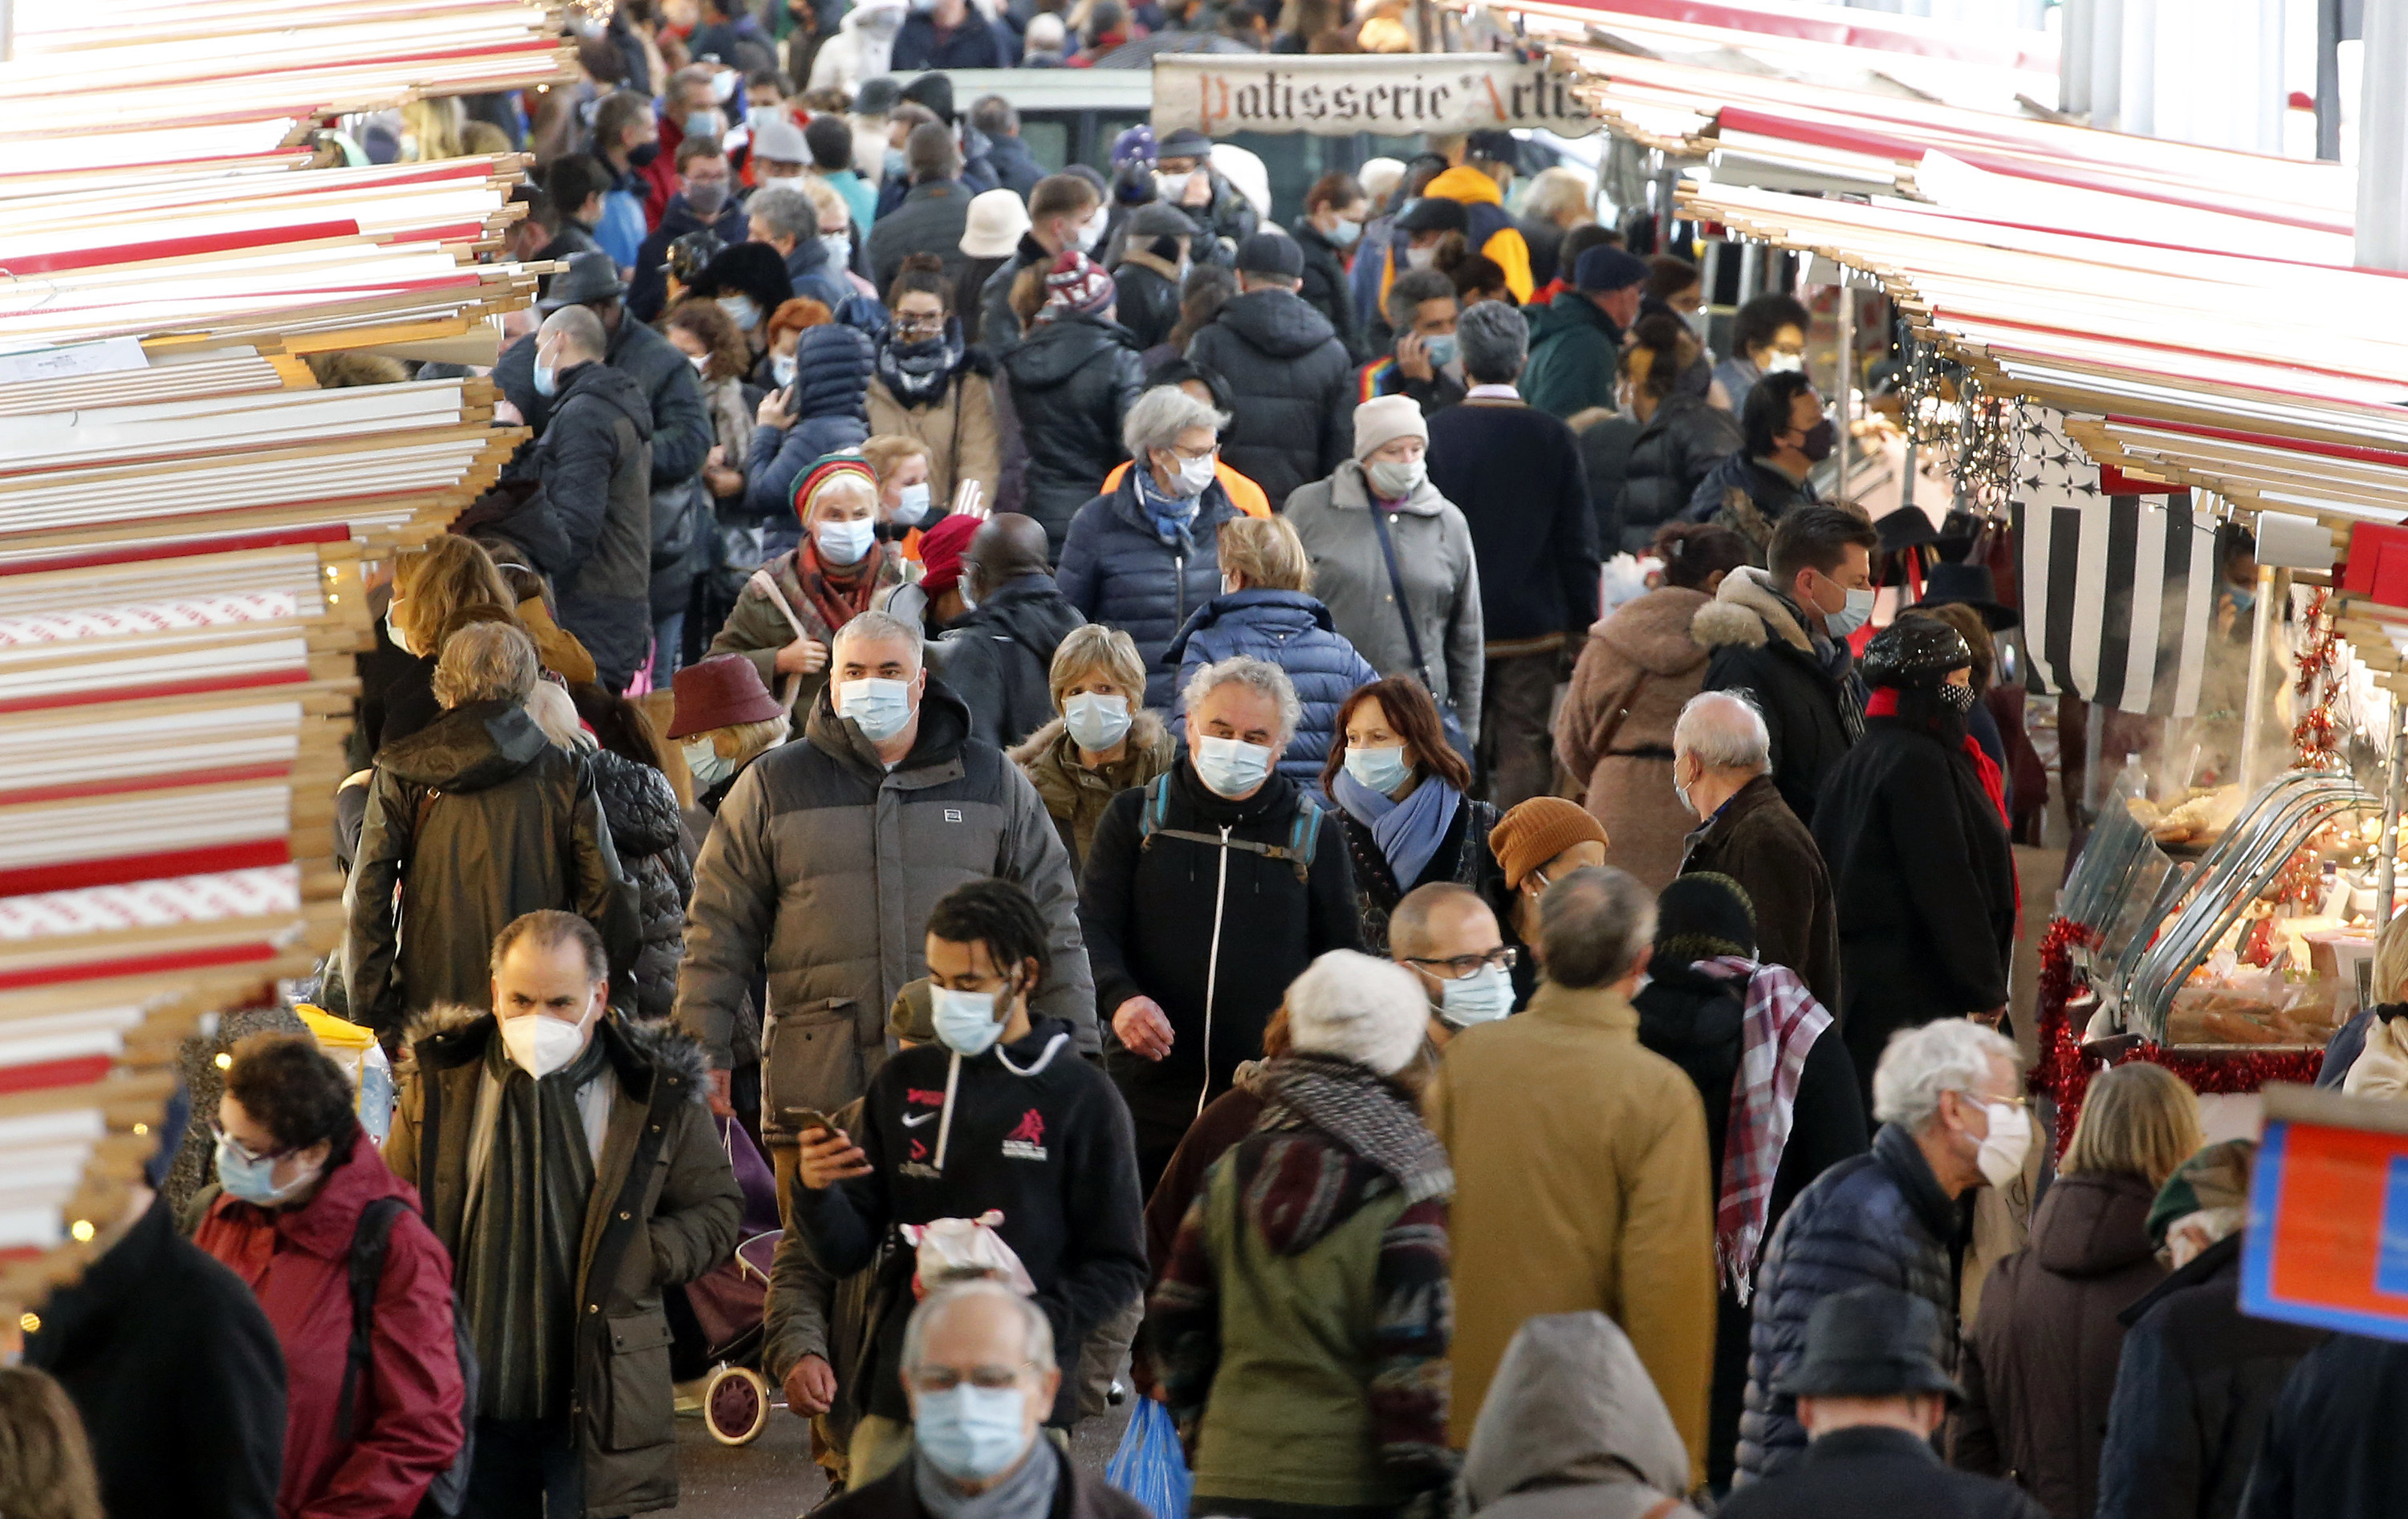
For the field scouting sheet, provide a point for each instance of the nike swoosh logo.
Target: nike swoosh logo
(910, 1121)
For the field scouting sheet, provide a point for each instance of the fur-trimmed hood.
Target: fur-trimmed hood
(1145, 731)
(451, 1033)
(1748, 612)
(1653, 631)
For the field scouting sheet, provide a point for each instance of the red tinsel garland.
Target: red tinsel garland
(2064, 1074)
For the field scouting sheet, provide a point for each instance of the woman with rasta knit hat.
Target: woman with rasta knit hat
(1920, 867)
(791, 608)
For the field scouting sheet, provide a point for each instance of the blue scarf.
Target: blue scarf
(1408, 832)
(1170, 514)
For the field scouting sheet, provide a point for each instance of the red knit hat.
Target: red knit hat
(941, 549)
(1077, 284)
(824, 469)
(719, 693)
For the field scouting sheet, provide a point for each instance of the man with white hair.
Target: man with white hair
(825, 862)
(1583, 1161)
(1205, 893)
(1722, 769)
(1949, 1098)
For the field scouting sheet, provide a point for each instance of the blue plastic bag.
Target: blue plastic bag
(1149, 1466)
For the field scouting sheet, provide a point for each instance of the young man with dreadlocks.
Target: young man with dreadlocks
(999, 1114)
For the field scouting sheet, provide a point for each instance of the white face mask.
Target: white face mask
(1785, 363)
(911, 504)
(781, 369)
(881, 709)
(1395, 480)
(1421, 258)
(1856, 614)
(1170, 188)
(1096, 723)
(541, 1043)
(1091, 231)
(743, 310)
(844, 543)
(2001, 1155)
(1231, 768)
(701, 363)
(1482, 997)
(840, 249)
(394, 634)
(1194, 474)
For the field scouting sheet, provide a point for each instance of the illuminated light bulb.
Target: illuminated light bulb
(30, 1323)
(225, 1062)
(82, 1230)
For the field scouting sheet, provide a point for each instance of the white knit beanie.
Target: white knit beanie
(1359, 1008)
(1383, 420)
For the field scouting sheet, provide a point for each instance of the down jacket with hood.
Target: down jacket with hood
(1675, 448)
(1000, 657)
(1814, 710)
(1638, 669)
(1073, 379)
(593, 461)
(672, 391)
(1880, 1219)
(824, 865)
(475, 820)
(1116, 570)
(1294, 382)
(1573, 1429)
(1292, 630)
(833, 363)
(664, 1210)
(641, 809)
(2039, 1367)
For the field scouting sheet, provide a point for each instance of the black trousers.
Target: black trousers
(526, 1470)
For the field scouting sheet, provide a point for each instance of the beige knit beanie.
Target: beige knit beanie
(1383, 420)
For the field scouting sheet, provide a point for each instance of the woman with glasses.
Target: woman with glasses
(1400, 792)
(933, 387)
(297, 1176)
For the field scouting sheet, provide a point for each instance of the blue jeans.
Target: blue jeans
(668, 635)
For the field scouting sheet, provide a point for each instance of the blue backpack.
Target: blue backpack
(1303, 836)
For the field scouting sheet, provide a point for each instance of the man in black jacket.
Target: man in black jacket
(1787, 435)
(1001, 655)
(705, 202)
(1015, 168)
(1152, 261)
(592, 465)
(1295, 416)
(1205, 894)
(999, 1114)
(1062, 211)
(932, 216)
(1778, 638)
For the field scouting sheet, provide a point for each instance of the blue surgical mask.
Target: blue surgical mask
(1096, 723)
(1856, 614)
(2243, 598)
(547, 379)
(703, 763)
(880, 708)
(253, 1181)
(1232, 768)
(1442, 350)
(971, 1433)
(1382, 769)
(844, 543)
(896, 162)
(966, 1020)
(912, 505)
(1485, 995)
(702, 123)
(1344, 234)
(781, 369)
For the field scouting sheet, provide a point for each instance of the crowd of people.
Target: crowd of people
(1059, 748)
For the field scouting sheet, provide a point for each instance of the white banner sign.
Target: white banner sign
(1391, 94)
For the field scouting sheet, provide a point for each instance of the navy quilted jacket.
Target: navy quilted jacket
(1293, 631)
(1880, 1217)
(833, 363)
(1117, 570)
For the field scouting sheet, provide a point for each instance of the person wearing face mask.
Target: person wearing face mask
(1768, 337)
(794, 606)
(627, 143)
(1331, 226)
(567, 1158)
(705, 202)
(298, 1182)
(1779, 1092)
(1291, 375)
(709, 338)
(827, 859)
(1204, 894)
(999, 1114)
(935, 389)
(1102, 741)
(1000, 653)
(1679, 439)
(691, 106)
(931, 218)
(724, 718)
(1949, 1098)
(750, 282)
(1147, 270)
(1787, 435)
(1425, 364)
(1185, 180)
(1781, 636)
(1065, 214)
(908, 509)
(784, 215)
(1446, 934)
(1401, 795)
(1920, 865)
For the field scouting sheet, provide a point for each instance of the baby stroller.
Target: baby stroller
(717, 1321)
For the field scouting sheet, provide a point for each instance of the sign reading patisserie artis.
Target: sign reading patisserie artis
(1393, 96)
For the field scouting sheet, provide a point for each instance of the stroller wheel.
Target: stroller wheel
(736, 1405)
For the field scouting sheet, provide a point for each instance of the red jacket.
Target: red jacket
(408, 1411)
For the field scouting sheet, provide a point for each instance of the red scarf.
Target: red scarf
(1883, 703)
(839, 598)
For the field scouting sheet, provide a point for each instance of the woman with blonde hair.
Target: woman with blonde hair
(397, 694)
(1266, 610)
(1102, 740)
(2369, 1056)
(2039, 1367)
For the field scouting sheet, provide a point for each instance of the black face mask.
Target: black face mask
(1925, 708)
(1816, 444)
(642, 154)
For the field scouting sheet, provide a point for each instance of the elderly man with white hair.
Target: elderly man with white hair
(1205, 893)
(825, 862)
(1949, 1098)
(1722, 769)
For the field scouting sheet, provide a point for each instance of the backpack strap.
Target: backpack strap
(1304, 836)
(366, 1272)
(1156, 812)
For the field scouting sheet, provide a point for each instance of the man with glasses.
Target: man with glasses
(999, 1115)
(1447, 936)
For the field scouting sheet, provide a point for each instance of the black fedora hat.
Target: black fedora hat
(591, 276)
(1870, 1341)
(1967, 585)
(1906, 528)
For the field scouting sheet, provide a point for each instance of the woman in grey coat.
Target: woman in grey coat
(1434, 632)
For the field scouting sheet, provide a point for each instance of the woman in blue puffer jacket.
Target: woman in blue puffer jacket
(1264, 611)
(825, 411)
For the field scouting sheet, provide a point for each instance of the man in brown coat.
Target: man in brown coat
(1580, 1162)
(1722, 767)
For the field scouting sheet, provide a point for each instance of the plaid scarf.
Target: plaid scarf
(1366, 1113)
(1778, 1025)
(840, 596)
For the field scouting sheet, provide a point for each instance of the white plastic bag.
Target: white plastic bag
(957, 1249)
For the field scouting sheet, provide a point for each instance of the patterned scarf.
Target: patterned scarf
(519, 1253)
(1170, 514)
(839, 596)
(1778, 1025)
(917, 372)
(1363, 1112)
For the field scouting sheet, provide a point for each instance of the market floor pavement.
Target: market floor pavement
(773, 1478)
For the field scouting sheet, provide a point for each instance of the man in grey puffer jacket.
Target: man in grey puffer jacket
(825, 862)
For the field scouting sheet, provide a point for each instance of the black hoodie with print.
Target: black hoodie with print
(1028, 1129)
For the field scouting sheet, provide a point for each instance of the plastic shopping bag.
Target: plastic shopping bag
(1149, 1466)
(957, 1249)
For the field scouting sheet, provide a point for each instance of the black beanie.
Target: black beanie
(1702, 915)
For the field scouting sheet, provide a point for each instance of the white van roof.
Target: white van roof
(1057, 89)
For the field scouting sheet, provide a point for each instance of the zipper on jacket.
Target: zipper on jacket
(945, 1125)
(1179, 588)
(1212, 969)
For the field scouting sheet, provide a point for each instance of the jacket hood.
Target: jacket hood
(1277, 614)
(323, 1226)
(1569, 311)
(613, 388)
(1653, 632)
(1277, 323)
(638, 803)
(450, 1034)
(1748, 613)
(1466, 185)
(2091, 1224)
(1571, 1403)
(1682, 1008)
(469, 748)
(1146, 735)
(1029, 608)
(944, 727)
(1054, 351)
(833, 363)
